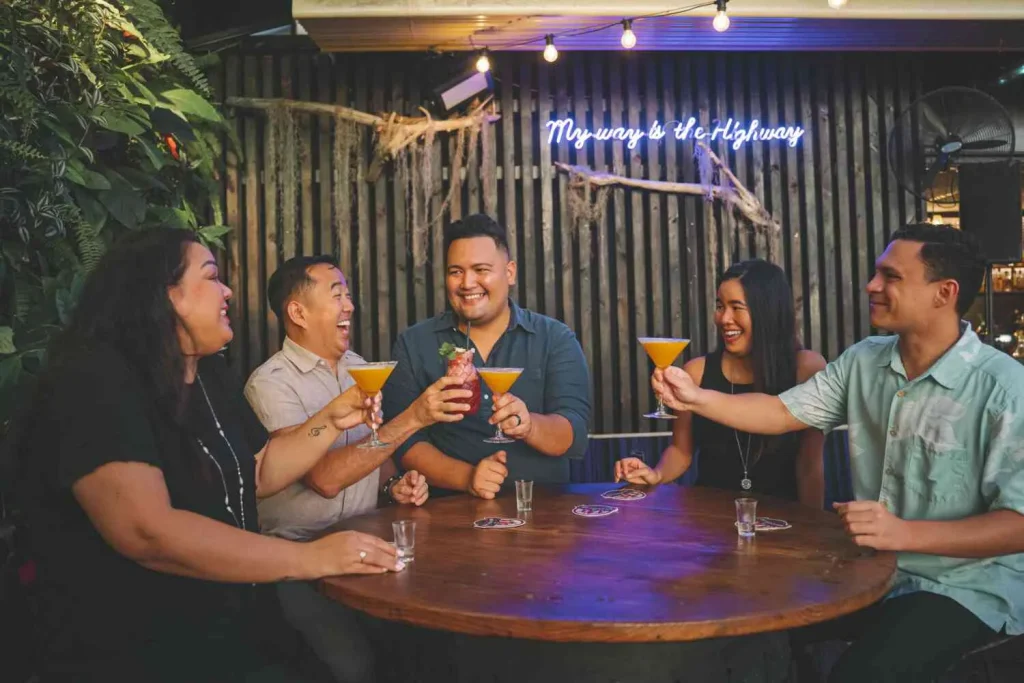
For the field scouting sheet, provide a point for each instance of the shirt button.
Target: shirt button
(892, 432)
(486, 397)
(901, 394)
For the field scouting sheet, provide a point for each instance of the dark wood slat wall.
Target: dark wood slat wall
(644, 268)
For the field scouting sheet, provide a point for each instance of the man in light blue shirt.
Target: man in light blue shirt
(936, 453)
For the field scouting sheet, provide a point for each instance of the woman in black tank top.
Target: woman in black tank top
(758, 351)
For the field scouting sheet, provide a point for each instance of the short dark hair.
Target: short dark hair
(476, 225)
(291, 279)
(948, 254)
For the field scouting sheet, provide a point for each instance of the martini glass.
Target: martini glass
(370, 378)
(500, 380)
(663, 351)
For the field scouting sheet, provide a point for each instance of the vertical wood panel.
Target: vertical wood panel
(845, 256)
(827, 223)
(810, 192)
(271, 210)
(605, 412)
(625, 343)
(305, 158)
(547, 208)
(233, 211)
(365, 316)
(638, 255)
(644, 268)
(530, 286)
(325, 211)
(256, 316)
(399, 186)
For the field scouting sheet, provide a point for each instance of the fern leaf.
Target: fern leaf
(150, 19)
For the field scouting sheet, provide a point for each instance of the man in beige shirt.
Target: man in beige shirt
(311, 298)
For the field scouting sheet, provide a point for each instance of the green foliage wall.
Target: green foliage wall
(105, 127)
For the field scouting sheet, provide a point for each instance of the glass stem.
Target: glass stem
(661, 406)
(499, 434)
(373, 431)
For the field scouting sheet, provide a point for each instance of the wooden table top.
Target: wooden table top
(670, 567)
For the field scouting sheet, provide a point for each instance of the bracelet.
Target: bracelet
(385, 490)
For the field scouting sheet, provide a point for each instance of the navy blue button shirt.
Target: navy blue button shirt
(555, 381)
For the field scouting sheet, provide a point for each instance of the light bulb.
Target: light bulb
(628, 37)
(550, 51)
(836, 4)
(721, 21)
(483, 64)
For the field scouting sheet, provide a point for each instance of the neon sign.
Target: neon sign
(731, 131)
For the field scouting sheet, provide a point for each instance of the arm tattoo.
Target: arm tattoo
(315, 431)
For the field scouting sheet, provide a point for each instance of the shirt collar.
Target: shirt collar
(304, 359)
(951, 367)
(518, 317)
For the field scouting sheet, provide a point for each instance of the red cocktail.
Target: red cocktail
(462, 366)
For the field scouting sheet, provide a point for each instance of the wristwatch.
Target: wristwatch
(385, 490)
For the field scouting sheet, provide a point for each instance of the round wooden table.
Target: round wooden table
(670, 567)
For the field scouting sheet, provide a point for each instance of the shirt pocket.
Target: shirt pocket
(943, 479)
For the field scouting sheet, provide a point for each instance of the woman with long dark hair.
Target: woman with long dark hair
(758, 351)
(140, 464)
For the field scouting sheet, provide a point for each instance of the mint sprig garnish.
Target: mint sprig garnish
(448, 351)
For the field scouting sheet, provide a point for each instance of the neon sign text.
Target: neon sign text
(730, 130)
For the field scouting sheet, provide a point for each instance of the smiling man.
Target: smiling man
(936, 453)
(310, 296)
(548, 408)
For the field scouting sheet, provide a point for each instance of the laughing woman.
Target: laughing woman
(758, 352)
(141, 463)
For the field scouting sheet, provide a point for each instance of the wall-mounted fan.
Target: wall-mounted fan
(941, 131)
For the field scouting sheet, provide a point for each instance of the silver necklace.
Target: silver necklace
(744, 457)
(238, 467)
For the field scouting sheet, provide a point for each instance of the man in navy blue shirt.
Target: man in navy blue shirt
(548, 408)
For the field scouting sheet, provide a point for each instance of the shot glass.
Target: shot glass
(524, 495)
(405, 539)
(746, 516)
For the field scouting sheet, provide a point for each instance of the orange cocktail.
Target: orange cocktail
(663, 351)
(500, 380)
(370, 379)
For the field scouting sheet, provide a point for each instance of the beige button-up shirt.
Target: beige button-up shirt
(292, 386)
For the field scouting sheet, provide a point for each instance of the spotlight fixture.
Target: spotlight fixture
(550, 51)
(721, 21)
(483, 63)
(837, 4)
(464, 88)
(628, 37)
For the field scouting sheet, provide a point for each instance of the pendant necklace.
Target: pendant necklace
(744, 457)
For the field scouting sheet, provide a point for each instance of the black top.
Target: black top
(104, 616)
(771, 462)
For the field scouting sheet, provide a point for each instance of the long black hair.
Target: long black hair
(124, 304)
(774, 344)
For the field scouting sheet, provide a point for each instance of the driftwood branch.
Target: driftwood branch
(393, 131)
(733, 194)
(602, 179)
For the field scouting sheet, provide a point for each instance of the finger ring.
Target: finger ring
(519, 420)
(362, 555)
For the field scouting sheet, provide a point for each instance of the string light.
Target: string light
(628, 37)
(550, 51)
(721, 21)
(837, 4)
(483, 63)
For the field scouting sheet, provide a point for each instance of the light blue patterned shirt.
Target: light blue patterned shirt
(945, 446)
